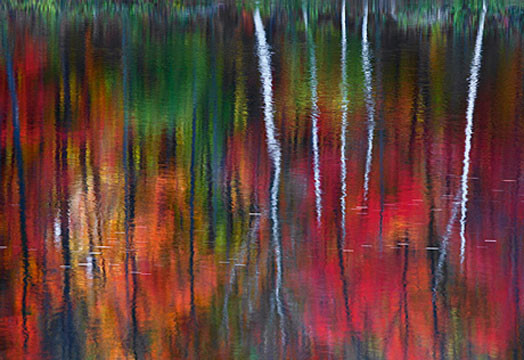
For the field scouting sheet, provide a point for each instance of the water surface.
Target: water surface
(335, 180)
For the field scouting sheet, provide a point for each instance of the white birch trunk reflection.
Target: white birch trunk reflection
(472, 95)
(343, 126)
(315, 113)
(275, 153)
(462, 195)
(370, 102)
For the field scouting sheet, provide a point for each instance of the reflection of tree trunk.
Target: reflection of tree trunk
(192, 217)
(343, 168)
(243, 258)
(212, 148)
(211, 232)
(92, 266)
(275, 154)
(129, 197)
(428, 151)
(21, 181)
(461, 196)
(215, 160)
(432, 232)
(94, 226)
(472, 95)
(462, 193)
(381, 131)
(404, 300)
(62, 179)
(90, 137)
(516, 250)
(370, 101)
(315, 114)
(98, 200)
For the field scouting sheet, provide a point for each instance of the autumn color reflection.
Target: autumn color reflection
(260, 181)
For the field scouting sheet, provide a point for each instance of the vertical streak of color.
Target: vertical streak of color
(129, 194)
(64, 120)
(461, 197)
(315, 113)
(370, 102)
(343, 165)
(274, 150)
(472, 95)
(445, 241)
(192, 198)
(215, 158)
(21, 182)
(125, 150)
(343, 126)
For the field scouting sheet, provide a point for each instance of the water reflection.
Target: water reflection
(21, 179)
(261, 181)
(315, 114)
(370, 102)
(472, 95)
(344, 122)
(275, 154)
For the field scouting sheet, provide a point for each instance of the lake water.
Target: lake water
(273, 181)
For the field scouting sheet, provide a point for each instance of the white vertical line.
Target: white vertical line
(343, 126)
(462, 193)
(274, 150)
(315, 113)
(472, 95)
(370, 102)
